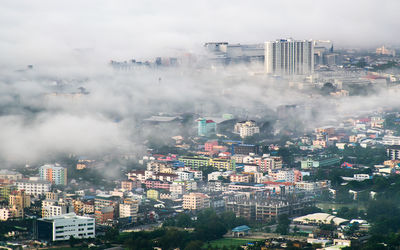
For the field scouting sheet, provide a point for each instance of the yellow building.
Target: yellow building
(152, 194)
(5, 191)
(18, 200)
(227, 164)
(195, 201)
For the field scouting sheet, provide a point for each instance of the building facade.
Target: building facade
(53, 173)
(62, 227)
(289, 57)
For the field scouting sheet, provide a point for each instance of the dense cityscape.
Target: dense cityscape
(286, 143)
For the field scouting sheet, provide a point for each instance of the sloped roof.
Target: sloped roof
(323, 218)
(241, 228)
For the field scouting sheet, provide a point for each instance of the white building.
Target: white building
(55, 210)
(5, 214)
(53, 173)
(289, 57)
(64, 226)
(51, 208)
(251, 168)
(129, 210)
(34, 187)
(391, 140)
(246, 128)
(185, 175)
(361, 177)
(214, 176)
(286, 175)
(11, 175)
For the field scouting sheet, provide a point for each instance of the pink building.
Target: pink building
(208, 146)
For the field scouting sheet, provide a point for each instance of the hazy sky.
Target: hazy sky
(51, 31)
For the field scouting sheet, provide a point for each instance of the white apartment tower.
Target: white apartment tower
(289, 57)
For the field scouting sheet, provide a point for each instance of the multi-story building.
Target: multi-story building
(393, 152)
(62, 227)
(10, 175)
(194, 161)
(129, 209)
(209, 145)
(5, 214)
(83, 207)
(246, 128)
(152, 194)
(244, 149)
(240, 178)
(177, 188)
(320, 161)
(189, 185)
(53, 173)
(313, 187)
(104, 200)
(34, 188)
(157, 184)
(137, 175)
(195, 201)
(206, 127)
(288, 175)
(52, 208)
(130, 185)
(185, 175)
(267, 163)
(263, 207)
(105, 214)
(225, 53)
(391, 140)
(5, 190)
(221, 163)
(289, 57)
(159, 167)
(18, 201)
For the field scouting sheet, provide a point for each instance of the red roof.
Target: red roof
(278, 183)
(210, 121)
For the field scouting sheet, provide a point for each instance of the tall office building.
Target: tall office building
(289, 57)
(53, 173)
(206, 127)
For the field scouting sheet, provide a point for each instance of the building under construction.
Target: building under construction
(263, 206)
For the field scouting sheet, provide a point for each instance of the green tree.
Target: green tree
(194, 245)
(183, 220)
(283, 224)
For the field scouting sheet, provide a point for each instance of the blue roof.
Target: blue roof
(241, 228)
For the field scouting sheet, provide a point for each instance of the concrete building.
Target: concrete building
(5, 214)
(221, 163)
(195, 201)
(10, 175)
(152, 194)
(129, 209)
(391, 140)
(62, 227)
(320, 161)
(206, 127)
(53, 173)
(34, 188)
(289, 57)
(5, 190)
(246, 128)
(18, 201)
(185, 175)
(262, 207)
(52, 208)
(194, 161)
(393, 152)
